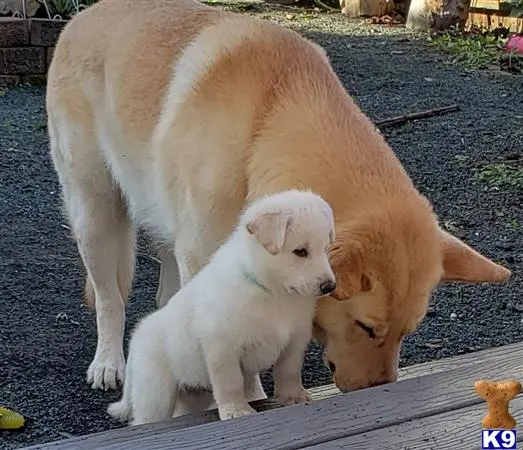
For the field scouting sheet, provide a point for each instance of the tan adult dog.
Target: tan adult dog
(172, 116)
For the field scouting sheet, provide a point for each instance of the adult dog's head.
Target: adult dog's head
(387, 261)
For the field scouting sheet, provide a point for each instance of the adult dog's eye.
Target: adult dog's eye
(332, 366)
(301, 252)
(367, 329)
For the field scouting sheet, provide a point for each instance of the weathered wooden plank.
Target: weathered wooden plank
(494, 19)
(431, 367)
(320, 392)
(321, 421)
(505, 352)
(97, 440)
(460, 429)
(486, 4)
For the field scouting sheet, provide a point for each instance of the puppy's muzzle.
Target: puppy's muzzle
(326, 287)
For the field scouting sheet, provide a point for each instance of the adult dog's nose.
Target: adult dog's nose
(327, 287)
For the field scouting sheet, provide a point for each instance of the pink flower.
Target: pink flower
(515, 44)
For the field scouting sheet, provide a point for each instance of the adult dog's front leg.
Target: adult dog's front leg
(287, 371)
(227, 383)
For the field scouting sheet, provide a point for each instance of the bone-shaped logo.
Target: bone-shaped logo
(498, 394)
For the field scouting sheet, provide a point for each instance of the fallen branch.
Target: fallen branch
(325, 6)
(414, 116)
(149, 257)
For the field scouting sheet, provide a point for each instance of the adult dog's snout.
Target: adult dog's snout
(328, 286)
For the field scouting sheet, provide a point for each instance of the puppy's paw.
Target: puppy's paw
(294, 396)
(234, 411)
(119, 411)
(107, 372)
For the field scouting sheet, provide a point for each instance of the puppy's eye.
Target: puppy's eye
(366, 328)
(332, 366)
(301, 252)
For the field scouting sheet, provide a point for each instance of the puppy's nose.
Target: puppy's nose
(327, 287)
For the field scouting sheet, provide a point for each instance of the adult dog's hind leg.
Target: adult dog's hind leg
(106, 242)
(169, 281)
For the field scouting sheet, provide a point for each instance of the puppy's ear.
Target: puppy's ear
(462, 263)
(270, 230)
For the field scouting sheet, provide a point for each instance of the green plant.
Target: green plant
(517, 8)
(86, 3)
(475, 50)
(61, 8)
(40, 125)
(461, 158)
(512, 61)
(501, 175)
(65, 9)
(8, 125)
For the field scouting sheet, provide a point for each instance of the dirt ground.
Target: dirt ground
(47, 339)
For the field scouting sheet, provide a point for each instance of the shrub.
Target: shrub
(64, 9)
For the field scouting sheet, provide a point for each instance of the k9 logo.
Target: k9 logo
(500, 439)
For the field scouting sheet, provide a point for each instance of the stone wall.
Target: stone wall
(26, 49)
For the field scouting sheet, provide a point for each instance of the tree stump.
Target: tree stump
(366, 8)
(437, 15)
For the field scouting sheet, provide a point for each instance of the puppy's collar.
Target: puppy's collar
(252, 279)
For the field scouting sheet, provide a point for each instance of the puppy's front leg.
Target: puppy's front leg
(287, 371)
(227, 384)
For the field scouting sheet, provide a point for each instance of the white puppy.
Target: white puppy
(249, 308)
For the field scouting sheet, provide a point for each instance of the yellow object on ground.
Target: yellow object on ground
(10, 420)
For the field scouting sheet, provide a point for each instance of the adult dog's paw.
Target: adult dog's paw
(295, 396)
(107, 372)
(234, 411)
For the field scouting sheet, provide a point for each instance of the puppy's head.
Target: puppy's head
(291, 232)
(387, 265)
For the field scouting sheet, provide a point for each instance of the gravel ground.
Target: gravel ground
(47, 338)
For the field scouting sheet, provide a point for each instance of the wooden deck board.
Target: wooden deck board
(330, 419)
(432, 367)
(459, 429)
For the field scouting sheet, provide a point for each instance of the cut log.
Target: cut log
(437, 15)
(366, 8)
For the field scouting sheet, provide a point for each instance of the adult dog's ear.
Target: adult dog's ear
(462, 263)
(349, 271)
(327, 317)
(270, 229)
(330, 217)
